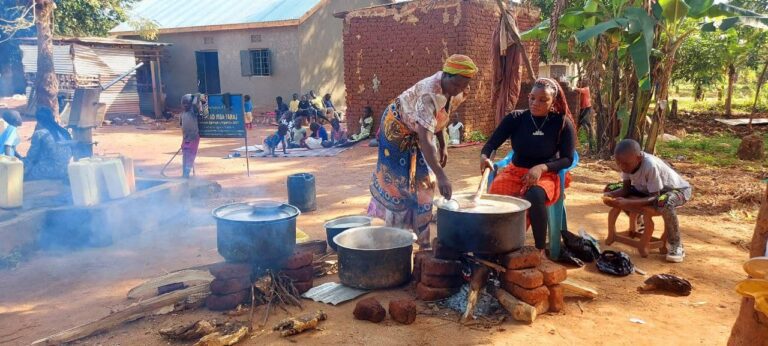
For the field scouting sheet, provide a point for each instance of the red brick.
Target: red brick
(429, 294)
(525, 278)
(301, 274)
(526, 257)
(553, 272)
(224, 270)
(438, 267)
(303, 286)
(556, 298)
(301, 259)
(229, 286)
(403, 311)
(418, 258)
(369, 309)
(441, 281)
(532, 297)
(226, 302)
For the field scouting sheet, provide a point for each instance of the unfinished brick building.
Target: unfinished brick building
(389, 48)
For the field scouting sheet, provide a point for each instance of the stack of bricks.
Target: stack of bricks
(379, 64)
(437, 273)
(299, 268)
(533, 280)
(231, 286)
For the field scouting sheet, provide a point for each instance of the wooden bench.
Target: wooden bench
(644, 241)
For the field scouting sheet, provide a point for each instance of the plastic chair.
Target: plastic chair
(557, 218)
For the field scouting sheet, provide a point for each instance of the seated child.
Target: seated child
(272, 142)
(298, 135)
(317, 137)
(649, 181)
(248, 105)
(366, 124)
(338, 136)
(455, 131)
(281, 109)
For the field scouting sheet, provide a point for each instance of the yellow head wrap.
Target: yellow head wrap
(460, 65)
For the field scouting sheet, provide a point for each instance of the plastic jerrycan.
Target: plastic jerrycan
(11, 182)
(84, 182)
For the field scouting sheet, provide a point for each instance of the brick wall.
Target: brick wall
(389, 48)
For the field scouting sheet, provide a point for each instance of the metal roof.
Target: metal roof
(178, 15)
(107, 41)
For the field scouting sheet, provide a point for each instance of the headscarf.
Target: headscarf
(461, 65)
(560, 104)
(45, 120)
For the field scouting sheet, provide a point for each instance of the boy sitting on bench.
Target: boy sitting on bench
(649, 181)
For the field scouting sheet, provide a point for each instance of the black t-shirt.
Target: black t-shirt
(554, 148)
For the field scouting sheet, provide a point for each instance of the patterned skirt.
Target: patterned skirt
(402, 186)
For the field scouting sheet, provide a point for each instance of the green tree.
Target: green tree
(89, 17)
(700, 62)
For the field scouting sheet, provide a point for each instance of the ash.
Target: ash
(487, 305)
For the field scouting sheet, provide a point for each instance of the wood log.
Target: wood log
(520, 311)
(295, 325)
(578, 288)
(476, 283)
(131, 313)
(189, 278)
(219, 339)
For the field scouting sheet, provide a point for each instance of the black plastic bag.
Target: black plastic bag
(567, 257)
(583, 248)
(615, 263)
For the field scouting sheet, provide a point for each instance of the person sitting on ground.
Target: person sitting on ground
(317, 101)
(455, 131)
(298, 135)
(293, 106)
(330, 110)
(366, 124)
(49, 154)
(9, 139)
(281, 109)
(649, 181)
(338, 135)
(544, 140)
(305, 110)
(272, 142)
(317, 137)
(286, 119)
(248, 106)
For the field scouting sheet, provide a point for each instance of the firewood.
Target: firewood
(476, 283)
(189, 331)
(520, 311)
(295, 325)
(219, 339)
(188, 278)
(131, 313)
(578, 288)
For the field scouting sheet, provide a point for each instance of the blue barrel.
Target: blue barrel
(301, 191)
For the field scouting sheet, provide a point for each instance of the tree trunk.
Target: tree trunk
(760, 82)
(699, 92)
(662, 94)
(46, 84)
(729, 95)
(752, 326)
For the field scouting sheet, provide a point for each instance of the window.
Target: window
(256, 62)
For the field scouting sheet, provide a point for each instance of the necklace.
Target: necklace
(538, 131)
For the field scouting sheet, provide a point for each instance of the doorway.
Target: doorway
(208, 72)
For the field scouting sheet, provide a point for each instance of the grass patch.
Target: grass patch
(739, 106)
(718, 150)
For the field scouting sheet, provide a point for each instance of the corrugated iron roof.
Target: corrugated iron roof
(176, 14)
(97, 40)
(333, 293)
(62, 59)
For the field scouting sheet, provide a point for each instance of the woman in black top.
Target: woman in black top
(543, 138)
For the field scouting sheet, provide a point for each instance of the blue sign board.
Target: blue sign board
(224, 118)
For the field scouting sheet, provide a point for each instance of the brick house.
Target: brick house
(389, 48)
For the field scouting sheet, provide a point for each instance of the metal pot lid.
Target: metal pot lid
(489, 204)
(374, 238)
(263, 211)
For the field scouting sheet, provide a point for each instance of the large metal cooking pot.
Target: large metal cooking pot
(341, 224)
(262, 233)
(374, 257)
(495, 225)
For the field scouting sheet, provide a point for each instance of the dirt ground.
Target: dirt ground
(54, 291)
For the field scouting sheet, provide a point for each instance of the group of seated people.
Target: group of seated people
(309, 106)
(50, 151)
(291, 133)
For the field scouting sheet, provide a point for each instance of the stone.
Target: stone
(553, 273)
(438, 267)
(302, 274)
(527, 278)
(225, 270)
(226, 302)
(369, 309)
(428, 294)
(303, 286)
(526, 257)
(403, 311)
(299, 260)
(752, 148)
